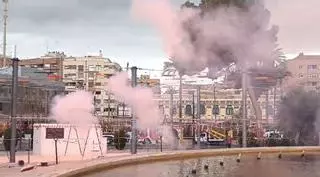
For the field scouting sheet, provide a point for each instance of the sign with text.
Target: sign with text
(54, 133)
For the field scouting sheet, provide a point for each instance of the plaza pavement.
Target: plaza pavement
(65, 164)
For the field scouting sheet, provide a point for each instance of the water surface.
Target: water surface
(268, 166)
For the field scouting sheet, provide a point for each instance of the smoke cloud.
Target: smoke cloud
(75, 108)
(138, 98)
(196, 39)
(299, 116)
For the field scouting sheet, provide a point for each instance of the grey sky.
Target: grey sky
(81, 27)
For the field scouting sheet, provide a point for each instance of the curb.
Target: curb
(146, 158)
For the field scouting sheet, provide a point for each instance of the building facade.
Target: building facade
(218, 104)
(49, 64)
(146, 81)
(91, 73)
(35, 93)
(305, 72)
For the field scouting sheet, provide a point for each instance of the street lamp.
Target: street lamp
(14, 86)
(193, 116)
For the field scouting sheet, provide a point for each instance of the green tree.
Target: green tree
(120, 139)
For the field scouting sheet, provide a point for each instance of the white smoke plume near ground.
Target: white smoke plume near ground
(243, 34)
(75, 108)
(140, 99)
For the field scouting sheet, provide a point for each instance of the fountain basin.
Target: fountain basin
(183, 155)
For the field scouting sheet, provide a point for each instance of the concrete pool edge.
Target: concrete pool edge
(167, 156)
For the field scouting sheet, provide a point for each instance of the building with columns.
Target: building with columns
(218, 104)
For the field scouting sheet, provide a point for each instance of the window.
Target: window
(70, 67)
(98, 83)
(313, 83)
(97, 101)
(174, 110)
(80, 68)
(91, 75)
(312, 67)
(107, 75)
(98, 68)
(300, 75)
(215, 110)
(71, 84)
(98, 93)
(80, 75)
(69, 75)
(270, 109)
(312, 75)
(229, 110)
(97, 109)
(202, 109)
(300, 66)
(188, 110)
(237, 92)
(91, 68)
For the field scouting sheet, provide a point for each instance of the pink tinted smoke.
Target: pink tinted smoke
(163, 17)
(226, 28)
(138, 98)
(75, 108)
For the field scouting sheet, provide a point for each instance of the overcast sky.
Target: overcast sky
(81, 27)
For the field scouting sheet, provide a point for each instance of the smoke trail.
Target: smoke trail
(138, 98)
(196, 39)
(76, 108)
(299, 116)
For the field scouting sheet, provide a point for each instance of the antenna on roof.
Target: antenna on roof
(100, 53)
(5, 17)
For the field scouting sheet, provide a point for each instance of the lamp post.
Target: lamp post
(180, 98)
(14, 86)
(134, 121)
(244, 108)
(193, 116)
(215, 103)
(198, 115)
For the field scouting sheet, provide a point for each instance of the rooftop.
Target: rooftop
(33, 76)
(306, 57)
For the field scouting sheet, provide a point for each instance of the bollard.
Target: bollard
(259, 156)
(280, 155)
(239, 157)
(160, 143)
(21, 163)
(302, 154)
(221, 163)
(56, 149)
(29, 148)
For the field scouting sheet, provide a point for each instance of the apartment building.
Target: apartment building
(50, 64)
(91, 73)
(305, 71)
